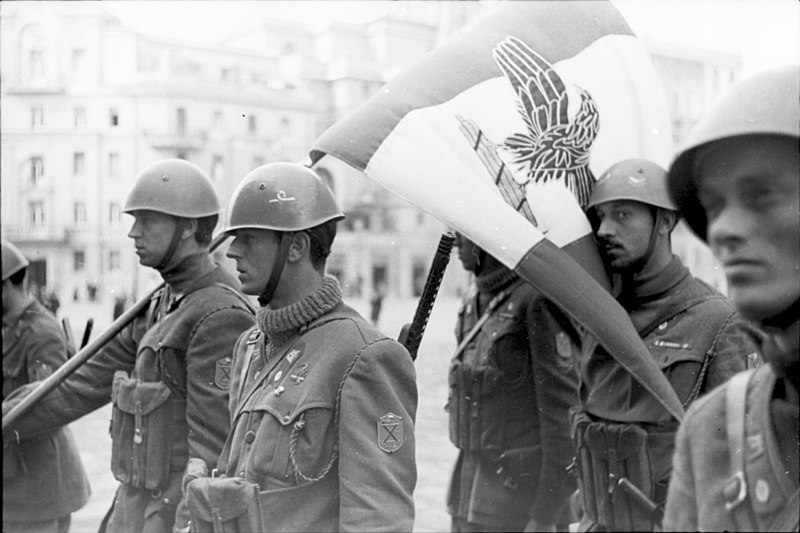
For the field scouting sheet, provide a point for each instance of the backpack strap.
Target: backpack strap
(735, 491)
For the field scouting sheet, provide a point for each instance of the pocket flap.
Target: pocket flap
(211, 499)
(148, 395)
(620, 440)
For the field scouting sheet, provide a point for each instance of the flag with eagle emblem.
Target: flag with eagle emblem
(501, 133)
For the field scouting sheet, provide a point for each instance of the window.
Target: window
(180, 123)
(113, 165)
(37, 170)
(252, 125)
(78, 163)
(78, 62)
(285, 127)
(36, 59)
(78, 260)
(217, 168)
(113, 117)
(79, 118)
(114, 213)
(37, 118)
(36, 210)
(216, 119)
(79, 212)
(113, 260)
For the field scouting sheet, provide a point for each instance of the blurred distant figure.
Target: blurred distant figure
(119, 305)
(376, 303)
(43, 478)
(52, 302)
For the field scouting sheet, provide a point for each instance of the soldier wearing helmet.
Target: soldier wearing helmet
(43, 478)
(692, 331)
(322, 404)
(167, 374)
(738, 181)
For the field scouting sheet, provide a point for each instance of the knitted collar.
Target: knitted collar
(279, 324)
(181, 276)
(494, 281)
(643, 289)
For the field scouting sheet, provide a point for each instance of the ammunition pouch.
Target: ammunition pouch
(519, 466)
(144, 423)
(223, 505)
(489, 412)
(615, 474)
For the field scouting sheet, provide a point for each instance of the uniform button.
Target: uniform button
(249, 437)
(241, 474)
(762, 490)
(287, 418)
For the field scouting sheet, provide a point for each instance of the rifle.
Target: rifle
(68, 332)
(86, 353)
(411, 334)
(87, 332)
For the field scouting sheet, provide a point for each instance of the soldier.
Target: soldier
(738, 181)
(167, 373)
(624, 439)
(323, 404)
(43, 478)
(512, 382)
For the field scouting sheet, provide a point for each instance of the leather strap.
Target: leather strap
(735, 412)
(495, 302)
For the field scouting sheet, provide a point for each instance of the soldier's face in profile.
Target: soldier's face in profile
(750, 189)
(623, 232)
(468, 253)
(151, 233)
(254, 251)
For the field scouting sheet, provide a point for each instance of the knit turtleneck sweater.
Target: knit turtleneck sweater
(279, 325)
(494, 281)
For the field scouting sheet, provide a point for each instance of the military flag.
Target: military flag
(501, 132)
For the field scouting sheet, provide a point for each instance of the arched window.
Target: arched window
(32, 41)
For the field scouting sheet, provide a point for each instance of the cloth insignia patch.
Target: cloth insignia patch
(222, 376)
(390, 432)
(564, 351)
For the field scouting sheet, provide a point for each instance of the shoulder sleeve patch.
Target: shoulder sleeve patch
(390, 432)
(222, 375)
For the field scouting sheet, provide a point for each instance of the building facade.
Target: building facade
(87, 102)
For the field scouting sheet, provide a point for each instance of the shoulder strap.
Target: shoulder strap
(495, 302)
(735, 412)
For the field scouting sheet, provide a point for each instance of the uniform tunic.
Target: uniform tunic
(43, 477)
(324, 422)
(510, 391)
(695, 336)
(184, 343)
(702, 463)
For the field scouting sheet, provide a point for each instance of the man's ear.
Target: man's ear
(189, 228)
(669, 219)
(301, 243)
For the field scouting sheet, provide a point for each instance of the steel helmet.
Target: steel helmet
(174, 187)
(633, 179)
(12, 259)
(765, 104)
(281, 197)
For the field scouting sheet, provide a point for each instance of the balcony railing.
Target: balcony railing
(27, 233)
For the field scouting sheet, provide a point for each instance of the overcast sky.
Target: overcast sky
(765, 33)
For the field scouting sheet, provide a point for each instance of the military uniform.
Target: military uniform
(167, 375)
(702, 479)
(511, 386)
(697, 339)
(43, 478)
(323, 422)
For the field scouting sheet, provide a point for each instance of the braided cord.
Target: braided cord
(299, 476)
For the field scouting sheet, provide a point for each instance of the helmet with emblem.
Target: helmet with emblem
(281, 197)
(174, 187)
(12, 259)
(639, 180)
(765, 104)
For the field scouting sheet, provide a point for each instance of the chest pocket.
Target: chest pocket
(681, 358)
(143, 420)
(297, 441)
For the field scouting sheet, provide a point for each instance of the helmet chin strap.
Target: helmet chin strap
(277, 268)
(640, 264)
(173, 245)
